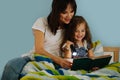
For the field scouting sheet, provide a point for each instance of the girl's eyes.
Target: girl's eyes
(80, 31)
(83, 31)
(77, 31)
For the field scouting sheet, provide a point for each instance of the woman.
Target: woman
(48, 34)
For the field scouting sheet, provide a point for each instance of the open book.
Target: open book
(89, 63)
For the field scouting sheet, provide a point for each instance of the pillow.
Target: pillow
(98, 48)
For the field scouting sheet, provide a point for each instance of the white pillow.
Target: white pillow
(98, 48)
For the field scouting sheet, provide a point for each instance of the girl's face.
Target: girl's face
(66, 16)
(80, 32)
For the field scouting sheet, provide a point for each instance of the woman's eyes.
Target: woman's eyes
(72, 11)
(65, 12)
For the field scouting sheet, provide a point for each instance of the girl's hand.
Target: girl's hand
(66, 46)
(68, 43)
(95, 68)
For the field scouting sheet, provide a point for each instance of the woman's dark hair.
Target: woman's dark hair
(58, 6)
(70, 31)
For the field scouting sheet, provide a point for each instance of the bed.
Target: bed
(44, 69)
(114, 52)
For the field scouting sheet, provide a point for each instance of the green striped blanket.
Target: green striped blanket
(44, 69)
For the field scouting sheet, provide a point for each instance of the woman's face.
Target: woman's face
(80, 32)
(66, 16)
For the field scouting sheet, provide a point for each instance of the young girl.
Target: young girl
(77, 40)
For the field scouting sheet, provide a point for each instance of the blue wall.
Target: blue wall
(18, 16)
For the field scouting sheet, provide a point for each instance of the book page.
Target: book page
(102, 56)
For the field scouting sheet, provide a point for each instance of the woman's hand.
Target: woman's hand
(65, 63)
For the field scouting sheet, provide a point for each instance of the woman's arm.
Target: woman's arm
(39, 49)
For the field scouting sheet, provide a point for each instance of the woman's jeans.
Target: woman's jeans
(13, 68)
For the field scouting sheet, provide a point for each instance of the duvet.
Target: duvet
(42, 68)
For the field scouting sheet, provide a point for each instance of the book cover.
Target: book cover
(89, 63)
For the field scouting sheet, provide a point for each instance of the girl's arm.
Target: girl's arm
(39, 49)
(67, 50)
(90, 53)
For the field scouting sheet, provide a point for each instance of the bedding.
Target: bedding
(37, 67)
(43, 68)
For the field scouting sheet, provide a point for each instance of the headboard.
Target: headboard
(115, 51)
